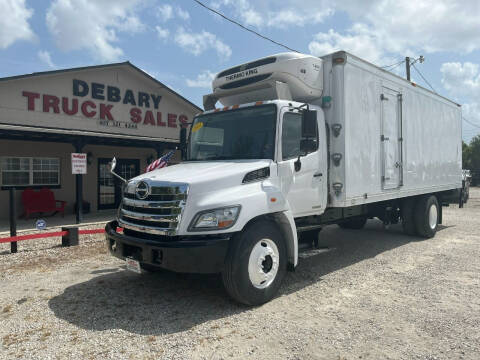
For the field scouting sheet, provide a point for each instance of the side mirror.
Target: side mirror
(183, 141)
(309, 124)
(113, 164)
(183, 138)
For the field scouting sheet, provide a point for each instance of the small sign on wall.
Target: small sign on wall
(79, 163)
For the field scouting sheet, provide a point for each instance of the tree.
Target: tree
(471, 154)
(465, 155)
(474, 153)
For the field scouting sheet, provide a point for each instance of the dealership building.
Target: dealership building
(101, 111)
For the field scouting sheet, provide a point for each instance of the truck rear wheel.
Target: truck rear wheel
(255, 264)
(426, 216)
(356, 223)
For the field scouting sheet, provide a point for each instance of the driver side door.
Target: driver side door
(303, 189)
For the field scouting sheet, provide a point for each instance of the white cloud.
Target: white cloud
(359, 44)
(93, 25)
(14, 24)
(405, 27)
(162, 33)
(197, 43)
(461, 79)
(470, 127)
(165, 12)
(45, 57)
(388, 27)
(203, 80)
(183, 14)
(277, 14)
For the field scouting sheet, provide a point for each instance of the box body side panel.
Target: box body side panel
(429, 135)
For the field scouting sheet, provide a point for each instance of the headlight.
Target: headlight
(222, 218)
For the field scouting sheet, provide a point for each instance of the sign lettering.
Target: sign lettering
(79, 163)
(144, 110)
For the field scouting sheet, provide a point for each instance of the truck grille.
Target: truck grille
(153, 207)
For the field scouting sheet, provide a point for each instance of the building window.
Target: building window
(30, 171)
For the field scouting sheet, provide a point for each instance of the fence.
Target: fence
(69, 236)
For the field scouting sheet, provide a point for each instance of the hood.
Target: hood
(226, 173)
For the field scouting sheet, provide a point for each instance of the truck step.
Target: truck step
(307, 253)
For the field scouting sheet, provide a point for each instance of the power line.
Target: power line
(394, 65)
(423, 77)
(244, 27)
(471, 123)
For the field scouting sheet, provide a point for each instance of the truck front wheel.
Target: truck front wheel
(255, 264)
(426, 216)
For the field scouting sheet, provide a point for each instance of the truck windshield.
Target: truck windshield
(246, 133)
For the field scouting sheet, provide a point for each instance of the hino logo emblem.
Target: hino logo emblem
(142, 190)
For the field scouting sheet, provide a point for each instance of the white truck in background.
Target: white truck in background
(300, 142)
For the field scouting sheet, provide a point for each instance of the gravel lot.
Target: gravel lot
(376, 294)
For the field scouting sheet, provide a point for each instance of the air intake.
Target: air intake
(256, 175)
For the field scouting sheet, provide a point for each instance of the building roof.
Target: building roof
(125, 63)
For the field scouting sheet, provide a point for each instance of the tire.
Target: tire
(355, 224)
(240, 278)
(408, 217)
(426, 216)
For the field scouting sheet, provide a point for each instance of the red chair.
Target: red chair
(41, 201)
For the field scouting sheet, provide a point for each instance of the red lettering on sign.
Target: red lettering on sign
(159, 120)
(65, 108)
(51, 101)
(135, 115)
(105, 111)
(85, 111)
(31, 96)
(183, 121)
(149, 119)
(171, 120)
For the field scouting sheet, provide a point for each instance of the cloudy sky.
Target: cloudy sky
(183, 45)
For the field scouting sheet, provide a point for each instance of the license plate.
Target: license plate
(133, 265)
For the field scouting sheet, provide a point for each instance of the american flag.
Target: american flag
(160, 163)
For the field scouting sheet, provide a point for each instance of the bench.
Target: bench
(40, 202)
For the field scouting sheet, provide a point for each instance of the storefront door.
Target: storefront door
(110, 187)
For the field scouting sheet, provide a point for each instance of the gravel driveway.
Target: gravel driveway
(375, 294)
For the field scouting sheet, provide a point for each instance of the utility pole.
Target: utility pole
(407, 67)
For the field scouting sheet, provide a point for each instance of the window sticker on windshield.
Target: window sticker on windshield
(197, 126)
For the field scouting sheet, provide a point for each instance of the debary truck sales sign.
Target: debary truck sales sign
(108, 100)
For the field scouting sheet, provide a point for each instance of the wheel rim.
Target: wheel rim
(433, 216)
(263, 263)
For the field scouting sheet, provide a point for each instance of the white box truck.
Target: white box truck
(300, 142)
